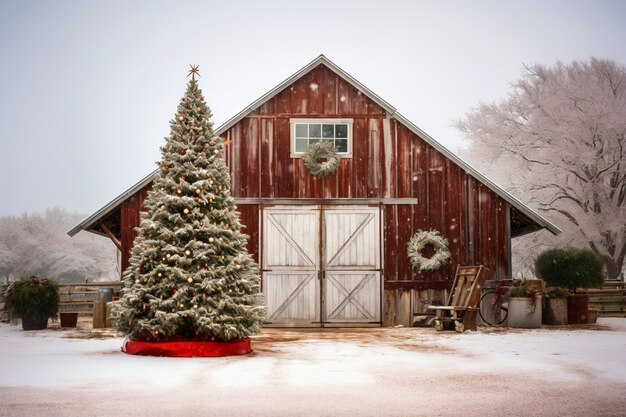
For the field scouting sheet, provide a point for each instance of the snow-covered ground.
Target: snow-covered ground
(565, 371)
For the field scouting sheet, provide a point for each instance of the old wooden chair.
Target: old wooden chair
(462, 303)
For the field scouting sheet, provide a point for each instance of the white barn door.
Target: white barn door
(352, 265)
(321, 265)
(291, 265)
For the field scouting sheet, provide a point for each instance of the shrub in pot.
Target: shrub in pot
(524, 307)
(572, 268)
(34, 300)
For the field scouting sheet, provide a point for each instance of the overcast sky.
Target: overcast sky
(87, 88)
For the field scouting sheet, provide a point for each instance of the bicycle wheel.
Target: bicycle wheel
(491, 313)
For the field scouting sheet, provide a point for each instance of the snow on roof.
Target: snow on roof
(392, 112)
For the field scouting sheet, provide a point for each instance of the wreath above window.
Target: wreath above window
(419, 241)
(317, 151)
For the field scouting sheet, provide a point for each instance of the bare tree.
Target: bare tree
(559, 141)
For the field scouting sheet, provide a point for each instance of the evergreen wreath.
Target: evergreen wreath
(319, 150)
(419, 241)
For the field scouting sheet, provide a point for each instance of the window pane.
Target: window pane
(311, 141)
(301, 131)
(341, 131)
(315, 131)
(328, 131)
(341, 145)
(301, 145)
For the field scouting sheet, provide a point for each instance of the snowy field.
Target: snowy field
(565, 371)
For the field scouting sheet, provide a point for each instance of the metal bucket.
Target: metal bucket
(108, 294)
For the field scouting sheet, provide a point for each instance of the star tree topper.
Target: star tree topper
(194, 71)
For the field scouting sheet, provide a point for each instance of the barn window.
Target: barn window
(305, 132)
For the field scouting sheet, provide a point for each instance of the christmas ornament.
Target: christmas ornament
(188, 252)
(181, 118)
(198, 191)
(166, 168)
(197, 199)
(186, 210)
(211, 240)
(189, 280)
(178, 190)
(216, 152)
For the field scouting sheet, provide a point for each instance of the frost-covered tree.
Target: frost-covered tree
(190, 275)
(559, 141)
(36, 244)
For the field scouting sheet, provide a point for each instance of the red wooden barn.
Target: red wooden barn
(333, 251)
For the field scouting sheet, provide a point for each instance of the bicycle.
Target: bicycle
(492, 308)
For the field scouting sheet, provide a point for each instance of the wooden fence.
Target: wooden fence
(610, 300)
(90, 299)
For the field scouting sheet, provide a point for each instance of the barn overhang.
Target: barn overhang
(523, 219)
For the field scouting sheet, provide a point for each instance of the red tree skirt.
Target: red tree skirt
(188, 349)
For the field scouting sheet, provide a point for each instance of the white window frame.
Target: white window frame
(292, 130)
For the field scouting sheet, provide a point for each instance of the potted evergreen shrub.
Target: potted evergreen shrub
(572, 268)
(524, 307)
(34, 300)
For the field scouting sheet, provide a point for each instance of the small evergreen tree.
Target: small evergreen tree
(190, 275)
(570, 268)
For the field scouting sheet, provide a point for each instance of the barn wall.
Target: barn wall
(388, 161)
(129, 220)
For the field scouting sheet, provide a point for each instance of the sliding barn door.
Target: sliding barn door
(352, 265)
(321, 265)
(291, 242)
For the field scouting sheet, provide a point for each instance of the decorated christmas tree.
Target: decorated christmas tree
(190, 275)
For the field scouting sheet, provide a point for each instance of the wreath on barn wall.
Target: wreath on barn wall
(419, 241)
(317, 151)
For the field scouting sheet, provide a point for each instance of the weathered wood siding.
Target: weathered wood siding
(388, 161)
(129, 220)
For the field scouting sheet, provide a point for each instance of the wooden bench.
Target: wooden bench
(461, 309)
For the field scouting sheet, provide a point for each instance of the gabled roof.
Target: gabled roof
(391, 111)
